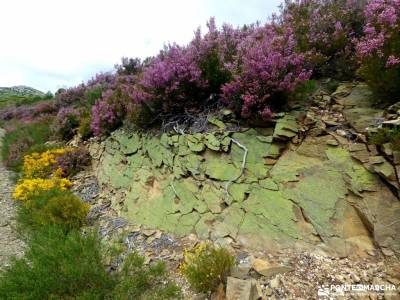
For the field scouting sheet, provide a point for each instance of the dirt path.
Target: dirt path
(10, 245)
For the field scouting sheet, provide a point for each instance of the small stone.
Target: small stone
(147, 260)
(164, 252)
(355, 278)
(267, 269)
(199, 297)
(148, 232)
(238, 289)
(387, 149)
(268, 291)
(387, 252)
(331, 123)
(337, 107)
(376, 160)
(270, 161)
(373, 150)
(226, 112)
(258, 290)
(357, 147)
(332, 142)
(326, 98)
(310, 119)
(3, 223)
(392, 122)
(393, 280)
(341, 132)
(150, 239)
(396, 157)
(373, 296)
(275, 283)
(240, 271)
(339, 278)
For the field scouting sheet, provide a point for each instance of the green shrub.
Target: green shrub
(53, 207)
(206, 267)
(72, 161)
(304, 90)
(84, 127)
(386, 135)
(66, 122)
(140, 115)
(136, 281)
(39, 148)
(18, 141)
(332, 85)
(58, 266)
(92, 95)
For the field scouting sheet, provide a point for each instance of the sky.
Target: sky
(49, 44)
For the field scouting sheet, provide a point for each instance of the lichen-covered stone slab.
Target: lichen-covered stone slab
(193, 183)
(286, 127)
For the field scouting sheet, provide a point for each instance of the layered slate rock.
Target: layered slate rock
(316, 193)
(359, 108)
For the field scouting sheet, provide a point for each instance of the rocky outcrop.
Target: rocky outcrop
(20, 90)
(308, 181)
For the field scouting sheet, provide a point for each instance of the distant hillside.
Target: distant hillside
(18, 95)
(21, 90)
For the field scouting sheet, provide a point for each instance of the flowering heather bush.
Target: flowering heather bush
(108, 113)
(324, 29)
(215, 51)
(72, 161)
(379, 49)
(183, 77)
(66, 121)
(29, 113)
(173, 80)
(70, 96)
(267, 68)
(86, 94)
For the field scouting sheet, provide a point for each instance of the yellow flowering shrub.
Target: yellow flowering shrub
(206, 267)
(27, 188)
(41, 165)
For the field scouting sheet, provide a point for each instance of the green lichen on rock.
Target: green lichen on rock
(273, 206)
(129, 144)
(317, 194)
(288, 168)
(194, 183)
(286, 127)
(228, 222)
(360, 179)
(238, 191)
(219, 166)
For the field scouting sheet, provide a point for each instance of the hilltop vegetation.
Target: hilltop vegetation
(252, 70)
(21, 95)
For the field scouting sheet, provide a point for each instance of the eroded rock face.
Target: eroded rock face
(318, 192)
